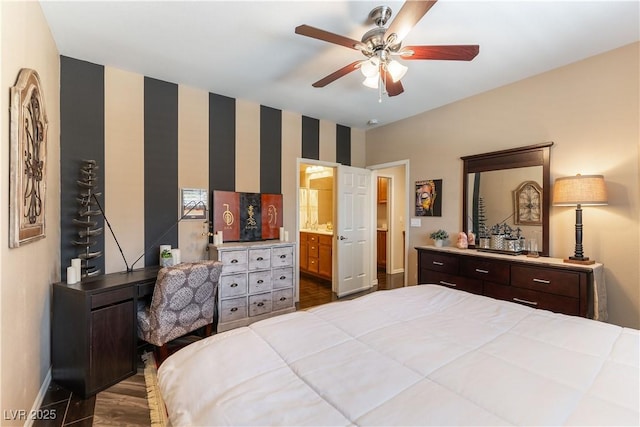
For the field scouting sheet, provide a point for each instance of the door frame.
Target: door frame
(397, 198)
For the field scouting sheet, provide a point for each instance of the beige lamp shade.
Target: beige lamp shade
(588, 190)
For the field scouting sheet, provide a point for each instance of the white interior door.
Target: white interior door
(353, 231)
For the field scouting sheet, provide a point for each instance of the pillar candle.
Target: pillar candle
(175, 254)
(76, 264)
(71, 275)
(286, 236)
(282, 239)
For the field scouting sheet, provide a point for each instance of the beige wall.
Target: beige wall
(26, 273)
(590, 110)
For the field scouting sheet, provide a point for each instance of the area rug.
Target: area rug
(157, 409)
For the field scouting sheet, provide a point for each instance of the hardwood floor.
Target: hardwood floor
(125, 404)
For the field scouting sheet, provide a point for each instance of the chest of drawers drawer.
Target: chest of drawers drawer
(259, 281)
(534, 299)
(439, 262)
(480, 269)
(282, 256)
(260, 304)
(282, 277)
(259, 259)
(453, 281)
(546, 280)
(234, 261)
(233, 309)
(231, 285)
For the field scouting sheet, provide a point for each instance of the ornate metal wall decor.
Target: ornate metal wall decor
(28, 157)
(87, 229)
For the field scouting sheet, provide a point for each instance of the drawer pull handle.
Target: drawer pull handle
(524, 301)
(438, 263)
(260, 304)
(283, 277)
(283, 256)
(260, 258)
(283, 299)
(482, 271)
(260, 282)
(233, 285)
(442, 282)
(234, 309)
(546, 282)
(234, 261)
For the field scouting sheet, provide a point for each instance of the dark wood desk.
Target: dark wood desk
(94, 331)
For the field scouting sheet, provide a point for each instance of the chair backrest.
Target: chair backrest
(183, 300)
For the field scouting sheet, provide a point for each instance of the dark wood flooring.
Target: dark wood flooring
(125, 404)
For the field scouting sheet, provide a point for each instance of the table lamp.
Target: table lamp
(579, 190)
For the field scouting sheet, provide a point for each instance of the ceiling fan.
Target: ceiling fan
(381, 44)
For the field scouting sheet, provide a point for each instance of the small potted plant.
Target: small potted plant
(439, 236)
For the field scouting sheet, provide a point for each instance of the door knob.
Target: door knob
(342, 238)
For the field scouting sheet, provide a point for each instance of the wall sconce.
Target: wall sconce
(579, 190)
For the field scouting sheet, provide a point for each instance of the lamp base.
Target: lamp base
(583, 261)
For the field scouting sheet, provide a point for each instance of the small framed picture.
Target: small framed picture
(194, 203)
(428, 197)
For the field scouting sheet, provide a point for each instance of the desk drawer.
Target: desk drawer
(232, 285)
(282, 256)
(456, 282)
(234, 261)
(111, 297)
(480, 269)
(546, 280)
(260, 304)
(534, 299)
(439, 262)
(233, 309)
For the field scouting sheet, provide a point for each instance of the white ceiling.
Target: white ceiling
(248, 49)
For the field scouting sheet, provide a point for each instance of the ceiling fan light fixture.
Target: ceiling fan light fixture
(396, 70)
(369, 68)
(371, 82)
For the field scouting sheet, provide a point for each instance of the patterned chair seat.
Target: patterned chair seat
(184, 299)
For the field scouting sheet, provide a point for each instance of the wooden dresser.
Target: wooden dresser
(257, 281)
(545, 283)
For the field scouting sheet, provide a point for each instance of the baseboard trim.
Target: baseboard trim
(39, 398)
(398, 270)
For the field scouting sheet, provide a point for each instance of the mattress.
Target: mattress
(420, 355)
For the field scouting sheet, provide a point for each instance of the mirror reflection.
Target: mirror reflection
(506, 202)
(316, 198)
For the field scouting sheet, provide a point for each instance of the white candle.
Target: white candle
(286, 236)
(76, 264)
(175, 254)
(282, 233)
(71, 275)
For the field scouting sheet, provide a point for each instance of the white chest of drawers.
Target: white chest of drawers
(257, 281)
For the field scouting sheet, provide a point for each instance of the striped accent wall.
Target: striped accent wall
(151, 138)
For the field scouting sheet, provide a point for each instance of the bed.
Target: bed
(420, 355)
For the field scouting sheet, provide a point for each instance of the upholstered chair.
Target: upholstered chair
(184, 299)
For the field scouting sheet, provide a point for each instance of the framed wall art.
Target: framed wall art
(28, 158)
(527, 200)
(428, 197)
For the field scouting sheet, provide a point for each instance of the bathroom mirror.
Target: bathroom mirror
(509, 187)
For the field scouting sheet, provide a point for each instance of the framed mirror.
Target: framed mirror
(509, 188)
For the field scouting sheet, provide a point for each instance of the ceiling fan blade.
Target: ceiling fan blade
(337, 74)
(409, 15)
(453, 53)
(316, 33)
(393, 88)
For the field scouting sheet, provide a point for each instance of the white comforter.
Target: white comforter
(421, 355)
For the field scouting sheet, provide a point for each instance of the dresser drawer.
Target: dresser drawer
(233, 261)
(282, 277)
(452, 281)
(534, 299)
(232, 285)
(259, 281)
(439, 262)
(233, 309)
(282, 256)
(260, 304)
(550, 280)
(493, 271)
(282, 298)
(259, 259)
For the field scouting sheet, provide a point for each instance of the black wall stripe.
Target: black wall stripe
(222, 143)
(343, 145)
(160, 167)
(270, 150)
(310, 138)
(81, 138)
